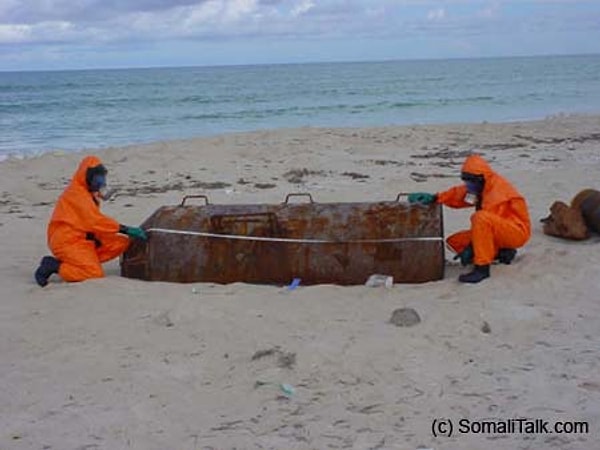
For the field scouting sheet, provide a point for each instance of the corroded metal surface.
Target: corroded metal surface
(339, 243)
(590, 208)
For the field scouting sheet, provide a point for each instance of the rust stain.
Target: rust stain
(339, 259)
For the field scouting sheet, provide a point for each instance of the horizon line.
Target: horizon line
(291, 63)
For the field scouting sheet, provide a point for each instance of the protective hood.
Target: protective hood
(77, 212)
(476, 165)
(496, 188)
(79, 177)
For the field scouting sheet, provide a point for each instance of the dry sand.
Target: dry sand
(117, 363)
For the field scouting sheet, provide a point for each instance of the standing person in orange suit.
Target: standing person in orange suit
(79, 235)
(499, 225)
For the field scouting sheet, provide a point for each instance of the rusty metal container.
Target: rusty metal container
(589, 203)
(338, 243)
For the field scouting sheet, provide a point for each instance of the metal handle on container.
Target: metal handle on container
(298, 194)
(194, 196)
(401, 194)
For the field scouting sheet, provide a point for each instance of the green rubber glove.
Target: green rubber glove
(423, 198)
(134, 232)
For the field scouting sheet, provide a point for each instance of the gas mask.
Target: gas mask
(474, 187)
(95, 178)
(474, 184)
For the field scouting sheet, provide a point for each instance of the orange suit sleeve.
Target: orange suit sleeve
(454, 197)
(87, 214)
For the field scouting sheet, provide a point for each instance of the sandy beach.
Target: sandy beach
(116, 363)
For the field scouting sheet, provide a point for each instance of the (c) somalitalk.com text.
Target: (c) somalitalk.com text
(449, 427)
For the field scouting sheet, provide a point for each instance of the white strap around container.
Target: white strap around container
(269, 239)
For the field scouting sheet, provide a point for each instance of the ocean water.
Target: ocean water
(73, 110)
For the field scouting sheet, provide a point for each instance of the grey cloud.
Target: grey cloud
(35, 11)
(337, 8)
(114, 21)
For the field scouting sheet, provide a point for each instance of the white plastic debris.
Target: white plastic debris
(378, 280)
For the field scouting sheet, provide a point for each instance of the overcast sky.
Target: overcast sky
(55, 34)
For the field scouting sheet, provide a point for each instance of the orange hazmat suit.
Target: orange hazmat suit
(501, 219)
(76, 216)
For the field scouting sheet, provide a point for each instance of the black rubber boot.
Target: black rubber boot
(48, 266)
(478, 274)
(506, 255)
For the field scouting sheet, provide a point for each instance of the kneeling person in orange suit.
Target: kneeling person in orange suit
(499, 225)
(79, 235)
